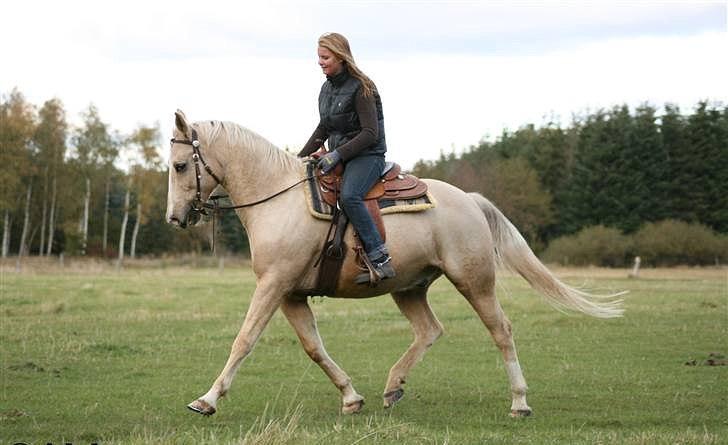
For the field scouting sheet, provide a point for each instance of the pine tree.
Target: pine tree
(645, 181)
(590, 195)
(707, 139)
(683, 171)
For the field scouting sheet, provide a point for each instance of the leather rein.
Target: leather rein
(200, 206)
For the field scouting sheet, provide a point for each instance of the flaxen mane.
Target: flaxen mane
(237, 137)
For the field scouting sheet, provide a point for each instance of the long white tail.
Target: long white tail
(513, 252)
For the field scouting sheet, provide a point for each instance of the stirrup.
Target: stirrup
(376, 272)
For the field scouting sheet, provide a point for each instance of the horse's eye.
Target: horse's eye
(180, 166)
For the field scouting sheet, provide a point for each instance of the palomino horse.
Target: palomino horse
(462, 237)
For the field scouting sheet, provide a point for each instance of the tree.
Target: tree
(50, 140)
(93, 145)
(124, 221)
(147, 162)
(644, 185)
(513, 185)
(684, 190)
(549, 151)
(16, 129)
(596, 191)
(108, 153)
(707, 142)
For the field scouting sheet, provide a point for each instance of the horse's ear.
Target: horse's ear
(180, 122)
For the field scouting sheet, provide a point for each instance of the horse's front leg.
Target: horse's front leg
(299, 314)
(266, 300)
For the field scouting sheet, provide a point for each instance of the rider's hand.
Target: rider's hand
(329, 161)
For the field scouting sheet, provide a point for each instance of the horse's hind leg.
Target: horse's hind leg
(490, 312)
(303, 321)
(413, 305)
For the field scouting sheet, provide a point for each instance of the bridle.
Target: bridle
(200, 206)
(197, 205)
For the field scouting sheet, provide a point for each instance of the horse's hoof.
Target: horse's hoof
(518, 413)
(393, 397)
(202, 407)
(353, 407)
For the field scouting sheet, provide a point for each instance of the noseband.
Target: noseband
(200, 206)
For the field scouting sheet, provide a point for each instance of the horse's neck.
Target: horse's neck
(257, 170)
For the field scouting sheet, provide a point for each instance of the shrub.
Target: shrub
(664, 243)
(596, 246)
(671, 242)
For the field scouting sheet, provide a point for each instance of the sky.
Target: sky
(450, 74)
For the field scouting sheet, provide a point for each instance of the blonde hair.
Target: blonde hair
(337, 44)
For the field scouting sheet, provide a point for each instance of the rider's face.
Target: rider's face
(329, 63)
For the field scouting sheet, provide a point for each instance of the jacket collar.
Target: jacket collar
(339, 78)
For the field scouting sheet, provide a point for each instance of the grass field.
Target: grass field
(93, 355)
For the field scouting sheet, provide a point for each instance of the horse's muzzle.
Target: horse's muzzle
(190, 218)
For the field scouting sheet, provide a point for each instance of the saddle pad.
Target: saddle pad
(321, 210)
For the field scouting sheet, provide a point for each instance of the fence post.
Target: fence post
(636, 268)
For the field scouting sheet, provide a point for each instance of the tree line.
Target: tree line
(617, 168)
(65, 189)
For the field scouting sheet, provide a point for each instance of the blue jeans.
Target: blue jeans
(360, 174)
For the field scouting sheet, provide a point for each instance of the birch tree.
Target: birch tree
(6, 233)
(50, 140)
(23, 248)
(145, 157)
(92, 142)
(124, 221)
(108, 154)
(44, 210)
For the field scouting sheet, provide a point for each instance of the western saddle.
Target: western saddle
(392, 185)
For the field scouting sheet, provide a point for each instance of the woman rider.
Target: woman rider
(351, 119)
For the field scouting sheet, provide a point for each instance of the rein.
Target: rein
(201, 207)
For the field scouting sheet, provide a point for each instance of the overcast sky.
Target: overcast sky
(449, 73)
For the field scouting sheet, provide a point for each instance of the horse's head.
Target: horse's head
(189, 183)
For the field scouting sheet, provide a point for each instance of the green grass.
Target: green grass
(107, 357)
